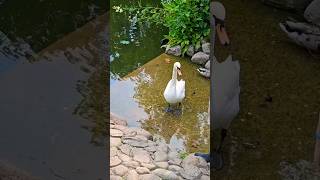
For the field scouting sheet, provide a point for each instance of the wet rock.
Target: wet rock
(312, 12)
(116, 133)
(131, 164)
(142, 170)
(174, 168)
(148, 165)
(160, 156)
(120, 170)
(162, 165)
(176, 51)
(165, 174)
(113, 177)
(126, 149)
(132, 175)
(200, 58)
(114, 142)
(141, 155)
(206, 48)
(190, 51)
(123, 156)
(114, 161)
(149, 177)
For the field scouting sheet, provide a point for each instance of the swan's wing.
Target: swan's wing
(181, 89)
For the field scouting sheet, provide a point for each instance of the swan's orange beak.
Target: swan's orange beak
(179, 72)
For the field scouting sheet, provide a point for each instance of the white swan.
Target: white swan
(175, 90)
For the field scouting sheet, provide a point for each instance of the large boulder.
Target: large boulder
(312, 13)
(175, 50)
(200, 58)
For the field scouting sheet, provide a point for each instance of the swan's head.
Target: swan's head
(177, 67)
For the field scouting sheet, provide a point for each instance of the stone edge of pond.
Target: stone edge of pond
(136, 154)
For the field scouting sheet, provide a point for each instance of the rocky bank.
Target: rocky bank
(136, 154)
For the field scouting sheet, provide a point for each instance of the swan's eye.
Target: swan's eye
(178, 68)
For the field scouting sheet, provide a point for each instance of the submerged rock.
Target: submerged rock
(200, 58)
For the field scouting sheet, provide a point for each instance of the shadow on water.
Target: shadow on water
(54, 88)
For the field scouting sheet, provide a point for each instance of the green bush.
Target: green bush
(187, 20)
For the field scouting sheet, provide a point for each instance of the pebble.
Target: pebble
(114, 161)
(142, 170)
(163, 165)
(132, 175)
(120, 170)
(149, 177)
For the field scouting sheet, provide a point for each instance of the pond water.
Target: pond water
(53, 100)
(139, 75)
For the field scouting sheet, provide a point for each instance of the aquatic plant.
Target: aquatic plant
(187, 20)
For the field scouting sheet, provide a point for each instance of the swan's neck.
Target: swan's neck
(174, 74)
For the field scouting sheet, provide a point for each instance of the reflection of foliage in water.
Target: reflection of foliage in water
(94, 105)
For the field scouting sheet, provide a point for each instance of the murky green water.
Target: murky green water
(266, 134)
(137, 95)
(53, 88)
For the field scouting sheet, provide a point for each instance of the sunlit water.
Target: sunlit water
(53, 96)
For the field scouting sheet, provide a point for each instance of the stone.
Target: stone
(113, 177)
(125, 149)
(141, 155)
(135, 143)
(132, 175)
(149, 166)
(203, 177)
(114, 142)
(206, 48)
(116, 133)
(173, 155)
(114, 161)
(200, 58)
(194, 161)
(190, 51)
(141, 132)
(190, 172)
(151, 148)
(115, 119)
(131, 164)
(162, 165)
(120, 170)
(123, 156)
(205, 171)
(149, 177)
(175, 50)
(174, 168)
(207, 65)
(121, 128)
(312, 12)
(113, 151)
(142, 170)
(160, 156)
(176, 161)
(165, 174)
(162, 146)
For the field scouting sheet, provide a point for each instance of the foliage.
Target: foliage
(183, 155)
(187, 20)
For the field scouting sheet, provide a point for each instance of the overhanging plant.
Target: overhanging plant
(187, 20)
